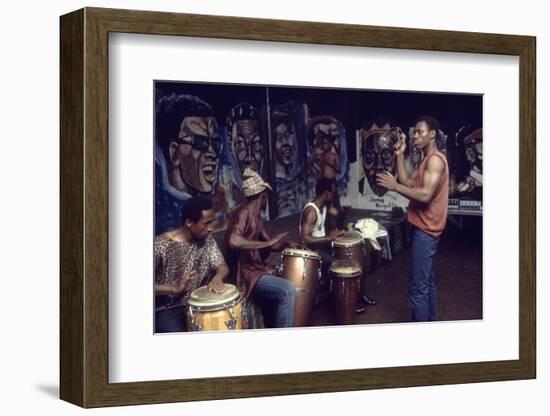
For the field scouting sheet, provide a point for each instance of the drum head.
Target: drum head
(345, 268)
(204, 299)
(296, 252)
(348, 239)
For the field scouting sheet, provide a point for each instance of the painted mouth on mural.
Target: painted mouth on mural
(209, 171)
(287, 151)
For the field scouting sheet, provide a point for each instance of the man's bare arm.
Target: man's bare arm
(432, 177)
(237, 241)
(216, 283)
(308, 222)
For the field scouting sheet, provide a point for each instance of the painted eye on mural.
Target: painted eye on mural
(203, 143)
(387, 155)
(369, 156)
(189, 140)
(284, 136)
(240, 144)
(257, 143)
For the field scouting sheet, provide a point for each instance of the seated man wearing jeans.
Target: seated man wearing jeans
(244, 238)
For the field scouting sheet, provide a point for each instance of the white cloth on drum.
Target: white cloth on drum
(368, 228)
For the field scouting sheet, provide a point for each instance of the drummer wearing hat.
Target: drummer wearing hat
(244, 237)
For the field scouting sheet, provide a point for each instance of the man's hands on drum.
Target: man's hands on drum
(334, 234)
(276, 242)
(216, 285)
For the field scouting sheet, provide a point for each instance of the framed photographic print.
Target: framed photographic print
(161, 112)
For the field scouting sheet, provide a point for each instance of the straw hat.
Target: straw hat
(253, 183)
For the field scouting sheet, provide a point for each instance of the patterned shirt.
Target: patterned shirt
(174, 259)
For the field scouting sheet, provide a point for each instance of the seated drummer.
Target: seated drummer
(313, 218)
(185, 258)
(312, 229)
(244, 238)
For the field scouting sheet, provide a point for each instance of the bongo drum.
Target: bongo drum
(209, 311)
(345, 278)
(303, 267)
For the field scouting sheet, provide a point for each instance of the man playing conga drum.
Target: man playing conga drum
(185, 258)
(312, 228)
(312, 220)
(244, 238)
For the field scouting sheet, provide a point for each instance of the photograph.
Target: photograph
(314, 227)
(285, 206)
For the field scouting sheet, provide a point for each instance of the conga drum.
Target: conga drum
(303, 267)
(209, 311)
(345, 276)
(351, 246)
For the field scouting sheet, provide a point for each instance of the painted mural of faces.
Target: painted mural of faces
(377, 156)
(324, 135)
(327, 137)
(474, 149)
(195, 155)
(285, 146)
(245, 139)
(286, 200)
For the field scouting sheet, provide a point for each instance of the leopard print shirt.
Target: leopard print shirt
(174, 259)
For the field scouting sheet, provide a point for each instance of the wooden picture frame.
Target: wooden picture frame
(84, 207)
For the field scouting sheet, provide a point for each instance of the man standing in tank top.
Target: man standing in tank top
(428, 190)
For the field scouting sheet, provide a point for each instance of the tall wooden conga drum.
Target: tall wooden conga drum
(303, 268)
(345, 276)
(209, 311)
(351, 246)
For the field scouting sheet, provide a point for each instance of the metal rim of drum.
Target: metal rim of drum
(305, 254)
(215, 307)
(357, 242)
(345, 268)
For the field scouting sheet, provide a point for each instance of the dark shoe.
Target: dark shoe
(360, 308)
(368, 301)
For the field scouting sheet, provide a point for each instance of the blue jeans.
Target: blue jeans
(279, 292)
(422, 291)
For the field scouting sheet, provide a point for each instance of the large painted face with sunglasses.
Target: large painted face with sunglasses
(195, 153)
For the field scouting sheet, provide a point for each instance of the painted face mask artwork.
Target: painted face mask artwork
(285, 148)
(472, 183)
(474, 150)
(198, 153)
(244, 137)
(378, 154)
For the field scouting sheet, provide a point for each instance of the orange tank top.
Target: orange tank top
(431, 217)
